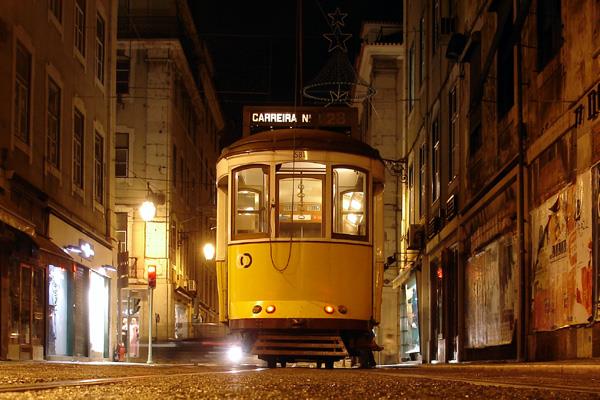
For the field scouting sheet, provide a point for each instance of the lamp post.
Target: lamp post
(147, 212)
(209, 251)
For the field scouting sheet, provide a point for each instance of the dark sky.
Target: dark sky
(253, 45)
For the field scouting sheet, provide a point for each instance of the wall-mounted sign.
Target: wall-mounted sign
(339, 119)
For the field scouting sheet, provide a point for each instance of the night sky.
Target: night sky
(253, 45)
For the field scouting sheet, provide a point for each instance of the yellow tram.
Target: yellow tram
(299, 247)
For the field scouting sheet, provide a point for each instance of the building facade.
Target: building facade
(501, 132)
(56, 248)
(168, 121)
(380, 64)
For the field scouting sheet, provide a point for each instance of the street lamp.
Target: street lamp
(147, 210)
(209, 251)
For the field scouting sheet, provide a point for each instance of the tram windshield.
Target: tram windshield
(300, 200)
(349, 202)
(251, 201)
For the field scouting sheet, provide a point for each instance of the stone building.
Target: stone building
(57, 123)
(168, 121)
(501, 128)
(380, 64)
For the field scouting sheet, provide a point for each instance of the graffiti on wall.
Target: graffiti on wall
(561, 239)
(491, 294)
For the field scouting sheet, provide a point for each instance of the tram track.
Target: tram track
(49, 385)
(545, 386)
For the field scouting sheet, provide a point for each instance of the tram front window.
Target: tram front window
(300, 200)
(251, 201)
(349, 202)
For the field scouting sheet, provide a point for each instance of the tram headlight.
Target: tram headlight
(235, 354)
(329, 309)
(342, 309)
(256, 309)
(270, 309)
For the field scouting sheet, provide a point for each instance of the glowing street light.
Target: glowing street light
(147, 210)
(209, 251)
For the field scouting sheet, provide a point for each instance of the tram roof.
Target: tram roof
(300, 139)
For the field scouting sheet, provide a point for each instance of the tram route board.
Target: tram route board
(263, 118)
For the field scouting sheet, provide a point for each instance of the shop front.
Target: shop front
(22, 291)
(410, 343)
(562, 287)
(491, 277)
(79, 295)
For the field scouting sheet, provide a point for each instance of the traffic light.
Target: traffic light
(152, 276)
(134, 306)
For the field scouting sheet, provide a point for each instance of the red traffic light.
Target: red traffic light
(152, 276)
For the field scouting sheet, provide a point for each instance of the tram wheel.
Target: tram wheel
(283, 363)
(271, 363)
(329, 364)
(319, 364)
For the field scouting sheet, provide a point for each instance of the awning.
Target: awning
(402, 277)
(17, 222)
(46, 245)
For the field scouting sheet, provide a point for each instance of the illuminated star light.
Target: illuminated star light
(337, 18)
(339, 97)
(337, 39)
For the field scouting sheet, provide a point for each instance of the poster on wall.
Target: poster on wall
(491, 294)
(561, 239)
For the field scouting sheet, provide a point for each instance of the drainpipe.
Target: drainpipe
(522, 259)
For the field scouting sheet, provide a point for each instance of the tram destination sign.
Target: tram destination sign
(264, 118)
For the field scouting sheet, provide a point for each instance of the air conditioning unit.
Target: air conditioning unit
(448, 25)
(191, 285)
(415, 237)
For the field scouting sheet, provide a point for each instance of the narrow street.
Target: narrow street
(115, 381)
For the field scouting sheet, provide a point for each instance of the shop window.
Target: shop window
(26, 308)
(350, 202)
(300, 200)
(251, 202)
(58, 311)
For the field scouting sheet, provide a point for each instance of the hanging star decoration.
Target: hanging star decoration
(339, 96)
(337, 39)
(338, 82)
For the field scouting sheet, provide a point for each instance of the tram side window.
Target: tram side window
(251, 202)
(349, 202)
